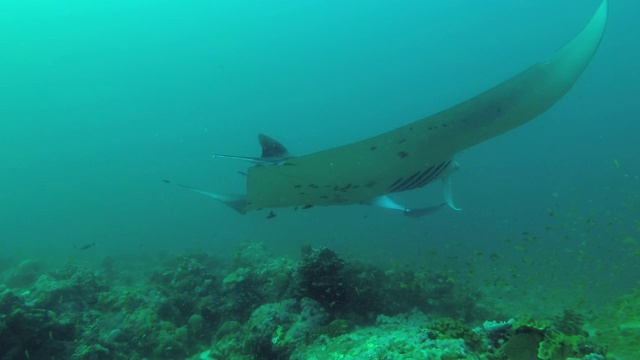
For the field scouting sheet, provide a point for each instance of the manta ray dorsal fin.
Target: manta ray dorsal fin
(273, 153)
(272, 149)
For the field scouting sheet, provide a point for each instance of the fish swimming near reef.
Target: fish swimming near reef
(413, 155)
(86, 246)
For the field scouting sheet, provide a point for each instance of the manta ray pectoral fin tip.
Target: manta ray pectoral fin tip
(454, 207)
(448, 193)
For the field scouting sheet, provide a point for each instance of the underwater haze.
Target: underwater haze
(103, 100)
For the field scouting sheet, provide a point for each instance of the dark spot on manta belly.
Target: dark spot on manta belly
(403, 154)
(401, 141)
(373, 148)
(346, 187)
(297, 186)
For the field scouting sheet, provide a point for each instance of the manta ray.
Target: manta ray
(413, 155)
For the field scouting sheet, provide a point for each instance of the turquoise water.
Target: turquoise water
(100, 101)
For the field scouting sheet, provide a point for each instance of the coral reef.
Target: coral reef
(274, 330)
(398, 337)
(359, 292)
(618, 327)
(255, 306)
(559, 338)
(44, 320)
(447, 328)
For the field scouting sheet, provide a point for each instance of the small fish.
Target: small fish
(616, 162)
(271, 215)
(87, 246)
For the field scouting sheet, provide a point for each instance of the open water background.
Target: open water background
(101, 100)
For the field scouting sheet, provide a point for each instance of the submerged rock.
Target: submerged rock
(274, 330)
(399, 337)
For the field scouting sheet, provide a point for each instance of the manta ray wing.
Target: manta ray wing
(358, 172)
(416, 154)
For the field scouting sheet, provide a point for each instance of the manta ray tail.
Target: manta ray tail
(236, 202)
